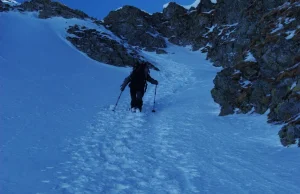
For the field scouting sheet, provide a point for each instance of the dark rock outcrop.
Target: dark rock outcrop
(4, 7)
(103, 48)
(132, 25)
(289, 133)
(174, 23)
(48, 8)
(205, 6)
(178, 25)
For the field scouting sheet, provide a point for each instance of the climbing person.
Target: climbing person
(137, 81)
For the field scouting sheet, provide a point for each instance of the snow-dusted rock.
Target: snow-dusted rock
(48, 8)
(134, 26)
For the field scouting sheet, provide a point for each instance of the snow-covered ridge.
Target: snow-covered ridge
(166, 5)
(193, 5)
(120, 8)
(10, 2)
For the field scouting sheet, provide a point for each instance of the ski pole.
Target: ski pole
(154, 99)
(117, 101)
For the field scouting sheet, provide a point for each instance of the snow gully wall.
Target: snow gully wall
(257, 42)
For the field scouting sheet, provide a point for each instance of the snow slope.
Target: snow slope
(58, 134)
(49, 91)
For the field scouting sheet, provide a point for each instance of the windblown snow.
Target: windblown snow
(58, 134)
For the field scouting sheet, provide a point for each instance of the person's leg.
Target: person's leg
(133, 98)
(139, 99)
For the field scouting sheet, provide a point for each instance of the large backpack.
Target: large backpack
(139, 77)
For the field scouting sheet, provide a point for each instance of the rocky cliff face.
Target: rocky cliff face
(102, 47)
(48, 9)
(134, 26)
(4, 7)
(264, 71)
(257, 42)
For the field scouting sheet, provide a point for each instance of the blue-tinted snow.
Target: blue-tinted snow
(58, 135)
(250, 57)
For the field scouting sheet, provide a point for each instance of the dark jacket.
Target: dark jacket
(138, 78)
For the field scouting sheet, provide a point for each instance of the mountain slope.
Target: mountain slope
(50, 91)
(58, 132)
(230, 31)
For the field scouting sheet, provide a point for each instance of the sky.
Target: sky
(100, 8)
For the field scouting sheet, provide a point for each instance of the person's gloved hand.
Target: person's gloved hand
(155, 82)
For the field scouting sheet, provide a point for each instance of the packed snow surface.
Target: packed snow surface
(58, 134)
